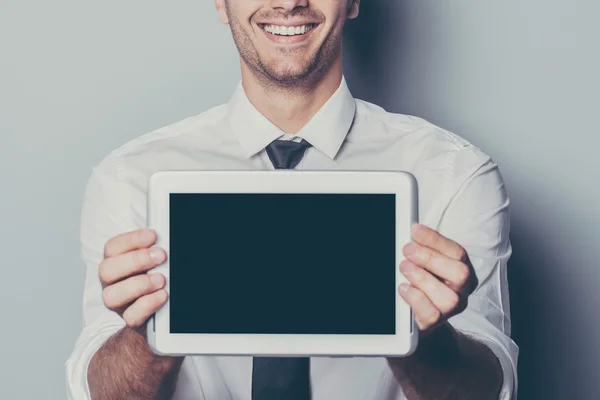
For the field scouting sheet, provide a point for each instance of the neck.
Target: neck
(291, 107)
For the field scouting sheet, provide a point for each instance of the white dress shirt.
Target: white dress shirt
(461, 194)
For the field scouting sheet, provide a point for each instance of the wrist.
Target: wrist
(441, 345)
(439, 348)
(139, 340)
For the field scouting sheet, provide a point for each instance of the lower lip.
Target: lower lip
(296, 39)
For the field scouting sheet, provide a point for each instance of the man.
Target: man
(293, 90)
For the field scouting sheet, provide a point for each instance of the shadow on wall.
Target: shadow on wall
(382, 30)
(546, 317)
(531, 314)
(368, 41)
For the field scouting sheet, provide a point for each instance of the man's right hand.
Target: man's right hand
(126, 287)
(125, 367)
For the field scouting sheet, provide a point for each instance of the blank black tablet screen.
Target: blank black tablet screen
(282, 263)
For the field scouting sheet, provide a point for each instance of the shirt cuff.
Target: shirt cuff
(504, 348)
(509, 381)
(88, 343)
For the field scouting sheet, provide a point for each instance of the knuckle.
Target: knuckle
(429, 236)
(112, 246)
(140, 258)
(462, 274)
(144, 285)
(103, 273)
(419, 297)
(137, 287)
(425, 254)
(140, 311)
(434, 317)
(133, 238)
(108, 248)
(461, 254)
(107, 298)
(453, 303)
(128, 321)
(418, 275)
(131, 319)
(137, 260)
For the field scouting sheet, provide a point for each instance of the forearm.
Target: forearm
(449, 365)
(126, 368)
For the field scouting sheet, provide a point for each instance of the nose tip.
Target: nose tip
(288, 5)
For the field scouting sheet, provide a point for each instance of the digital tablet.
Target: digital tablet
(282, 263)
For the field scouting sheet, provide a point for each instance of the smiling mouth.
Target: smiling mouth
(281, 30)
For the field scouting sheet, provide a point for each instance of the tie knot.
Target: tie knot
(286, 154)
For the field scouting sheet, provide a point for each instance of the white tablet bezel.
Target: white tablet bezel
(161, 184)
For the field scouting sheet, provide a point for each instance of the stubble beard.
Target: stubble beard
(286, 79)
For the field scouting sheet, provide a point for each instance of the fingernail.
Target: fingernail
(156, 279)
(418, 230)
(155, 254)
(147, 235)
(410, 249)
(404, 287)
(162, 296)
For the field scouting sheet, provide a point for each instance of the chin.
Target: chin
(287, 71)
(288, 74)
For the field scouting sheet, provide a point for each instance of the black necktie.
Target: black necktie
(282, 378)
(286, 154)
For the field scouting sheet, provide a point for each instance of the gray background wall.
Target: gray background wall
(519, 79)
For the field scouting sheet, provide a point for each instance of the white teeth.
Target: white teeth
(287, 30)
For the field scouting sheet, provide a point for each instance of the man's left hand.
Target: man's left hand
(441, 277)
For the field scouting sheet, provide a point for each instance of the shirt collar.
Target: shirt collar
(326, 130)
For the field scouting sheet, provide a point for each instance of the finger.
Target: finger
(452, 272)
(123, 243)
(435, 240)
(138, 313)
(119, 267)
(125, 292)
(426, 314)
(442, 297)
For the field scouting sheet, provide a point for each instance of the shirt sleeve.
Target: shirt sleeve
(105, 213)
(477, 217)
